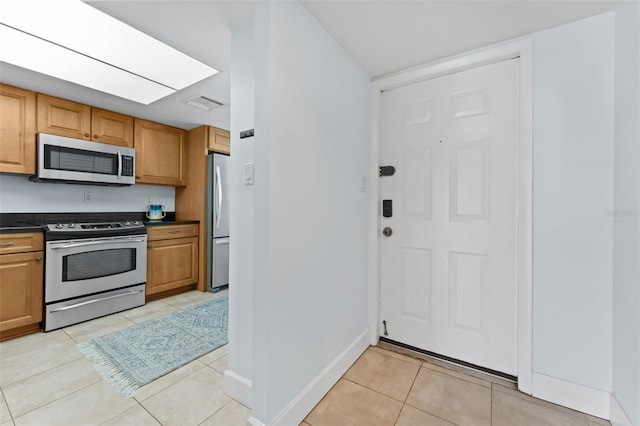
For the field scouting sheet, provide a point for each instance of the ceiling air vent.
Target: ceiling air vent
(204, 103)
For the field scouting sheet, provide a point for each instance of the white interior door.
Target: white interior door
(449, 270)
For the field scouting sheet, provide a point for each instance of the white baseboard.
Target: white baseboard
(238, 388)
(253, 422)
(578, 397)
(298, 408)
(617, 415)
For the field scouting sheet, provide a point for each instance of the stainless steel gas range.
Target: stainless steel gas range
(92, 270)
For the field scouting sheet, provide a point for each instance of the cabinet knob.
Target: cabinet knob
(86, 135)
(38, 258)
(95, 136)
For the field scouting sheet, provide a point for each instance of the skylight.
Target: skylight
(73, 41)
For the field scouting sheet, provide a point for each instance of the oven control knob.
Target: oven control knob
(127, 223)
(72, 225)
(135, 222)
(59, 226)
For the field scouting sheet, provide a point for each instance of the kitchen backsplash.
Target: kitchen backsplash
(18, 195)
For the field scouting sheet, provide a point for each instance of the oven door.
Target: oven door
(80, 267)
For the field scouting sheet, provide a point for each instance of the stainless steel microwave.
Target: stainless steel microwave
(70, 160)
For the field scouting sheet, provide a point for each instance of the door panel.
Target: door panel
(63, 118)
(467, 291)
(17, 130)
(448, 272)
(416, 282)
(469, 177)
(417, 188)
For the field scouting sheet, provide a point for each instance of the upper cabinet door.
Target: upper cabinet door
(63, 118)
(160, 153)
(17, 130)
(111, 127)
(219, 140)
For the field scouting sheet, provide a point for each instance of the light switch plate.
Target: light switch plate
(248, 174)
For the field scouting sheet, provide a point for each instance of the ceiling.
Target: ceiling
(388, 36)
(383, 36)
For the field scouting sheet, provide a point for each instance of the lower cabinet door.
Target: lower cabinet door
(20, 289)
(171, 264)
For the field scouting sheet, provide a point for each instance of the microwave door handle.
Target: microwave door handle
(93, 243)
(119, 165)
(219, 209)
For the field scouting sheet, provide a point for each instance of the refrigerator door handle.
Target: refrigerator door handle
(219, 206)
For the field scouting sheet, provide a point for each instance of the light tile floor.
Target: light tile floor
(45, 380)
(387, 388)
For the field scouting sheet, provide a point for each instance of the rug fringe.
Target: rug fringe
(111, 373)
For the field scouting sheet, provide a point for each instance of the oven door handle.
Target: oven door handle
(88, 302)
(93, 243)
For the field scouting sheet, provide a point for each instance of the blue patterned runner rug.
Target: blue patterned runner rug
(139, 354)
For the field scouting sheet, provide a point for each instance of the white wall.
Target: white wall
(626, 218)
(19, 195)
(573, 77)
(242, 211)
(310, 256)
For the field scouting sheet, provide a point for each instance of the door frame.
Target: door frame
(521, 48)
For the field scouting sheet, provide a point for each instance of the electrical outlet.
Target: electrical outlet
(88, 196)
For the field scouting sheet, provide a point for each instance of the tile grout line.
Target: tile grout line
(412, 384)
(449, 372)
(491, 404)
(420, 409)
(541, 402)
(6, 403)
(433, 415)
(62, 397)
(47, 370)
(150, 413)
(101, 335)
(372, 390)
(171, 384)
(214, 413)
(404, 403)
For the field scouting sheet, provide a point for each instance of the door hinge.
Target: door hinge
(384, 324)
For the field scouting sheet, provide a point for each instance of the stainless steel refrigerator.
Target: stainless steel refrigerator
(218, 221)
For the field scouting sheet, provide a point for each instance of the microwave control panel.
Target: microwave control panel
(127, 165)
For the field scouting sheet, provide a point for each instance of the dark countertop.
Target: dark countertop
(13, 223)
(20, 229)
(170, 222)
(36, 228)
